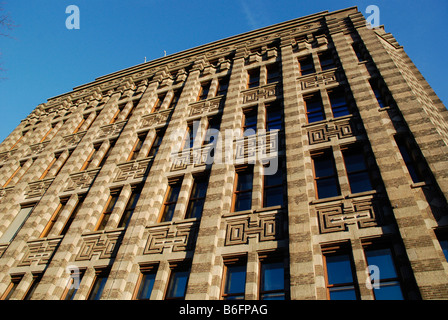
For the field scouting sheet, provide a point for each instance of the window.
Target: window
(12, 176)
(360, 54)
(177, 285)
(156, 144)
(158, 103)
(49, 167)
(203, 92)
(389, 283)
(175, 99)
(84, 118)
(130, 207)
(108, 210)
(357, 170)
(443, 240)
(212, 130)
(197, 197)
(223, 86)
(378, 95)
(234, 286)
(170, 201)
(73, 284)
(273, 188)
(253, 78)
(274, 117)
(189, 137)
(340, 274)
(273, 73)
(306, 65)
(242, 196)
(98, 284)
(314, 108)
(249, 122)
(326, 60)
(146, 282)
(272, 280)
(410, 159)
(137, 146)
(325, 175)
(338, 102)
(90, 158)
(54, 218)
(15, 280)
(70, 219)
(16, 224)
(107, 154)
(33, 286)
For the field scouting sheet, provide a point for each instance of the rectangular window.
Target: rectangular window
(389, 282)
(253, 78)
(314, 108)
(146, 282)
(49, 167)
(274, 117)
(90, 158)
(104, 218)
(158, 103)
(16, 224)
(325, 175)
(175, 99)
(33, 286)
(15, 280)
(340, 274)
(273, 188)
(137, 146)
(242, 195)
(443, 240)
(223, 86)
(234, 286)
(54, 218)
(249, 122)
(203, 92)
(156, 144)
(107, 154)
(130, 207)
(212, 132)
(378, 95)
(410, 159)
(13, 175)
(339, 105)
(197, 197)
(273, 73)
(70, 219)
(306, 65)
(170, 201)
(357, 170)
(98, 284)
(177, 285)
(272, 280)
(73, 284)
(189, 137)
(326, 60)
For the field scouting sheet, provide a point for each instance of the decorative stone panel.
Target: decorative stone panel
(207, 106)
(193, 156)
(111, 129)
(40, 251)
(264, 92)
(336, 217)
(72, 139)
(261, 146)
(320, 79)
(81, 180)
(101, 244)
(176, 237)
(156, 119)
(38, 188)
(324, 132)
(37, 148)
(264, 226)
(133, 169)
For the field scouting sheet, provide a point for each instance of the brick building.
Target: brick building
(283, 163)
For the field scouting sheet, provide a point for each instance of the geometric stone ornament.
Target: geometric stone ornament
(40, 251)
(175, 237)
(101, 245)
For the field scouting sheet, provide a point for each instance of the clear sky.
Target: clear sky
(42, 58)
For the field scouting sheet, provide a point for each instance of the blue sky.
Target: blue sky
(43, 59)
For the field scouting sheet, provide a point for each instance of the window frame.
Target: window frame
(108, 210)
(130, 206)
(234, 261)
(253, 78)
(309, 62)
(357, 149)
(202, 178)
(147, 269)
(324, 153)
(269, 259)
(314, 98)
(100, 276)
(177, 182)
(175, 267)
(246, 169)
(280, 186)
(339, 92)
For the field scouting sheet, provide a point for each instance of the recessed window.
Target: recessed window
(203, 92)
(242, 197)
(339, 105)
(273, 188)
(234, 279)
(73, 284)
(253, 78)
(170, 201)
(146, 282)
(274, 117)
(378, 94)
(306, 65)
(130, 207)
(177, 285)
(410, 158)
(223, 86)
(357, 170)
(98, 285)
(158, 103)
(273, 73)
(326, 60)
(272, 285)
(314, 108)
(137, 146)
(108, 209)
(249, 122)
(54, 218)
(156, 144)
(197, 197)
(325, 175)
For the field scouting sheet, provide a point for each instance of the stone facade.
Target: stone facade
(79, 152)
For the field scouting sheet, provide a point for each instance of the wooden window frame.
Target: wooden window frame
(326, 66)
(238, 171)
(177, 266)
(99, 273)
(273, 73)
(67, 288)
(141, 137)
(156, 143)
(130, 206)
(15, 281)
(273, 106)
(339, 91)
(312, 69)
(32, 287)
(54, 218)
(107, 212)
(272, 257)
(253, 78)
(314, 97)
(320, 153)
(144, 269)
(172, 182)
(250, 111)
(198, 178)
(266, 187)
(160, 99)
(357, 148)
(73, 214)
(204, 91)
(237, 260)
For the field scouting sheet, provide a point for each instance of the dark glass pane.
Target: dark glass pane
(195, 209)
(273, 296)
(389, 291)
(173, 193)
(343, 293)
(314, 117)
(275, 179)
(354, 161)
(313, 106)
(359, 182)
(98, 288)
(178, 284)
(235, 280)
(146, 286)
(243, 201)
(340, 112)
(323, 166)
(327, 188)
(168, 212)
(382, 258)
(199, 189)
(339, 269)
(273, 197)
(272, 276)
(244, 181)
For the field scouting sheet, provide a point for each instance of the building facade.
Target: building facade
(305, 160)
